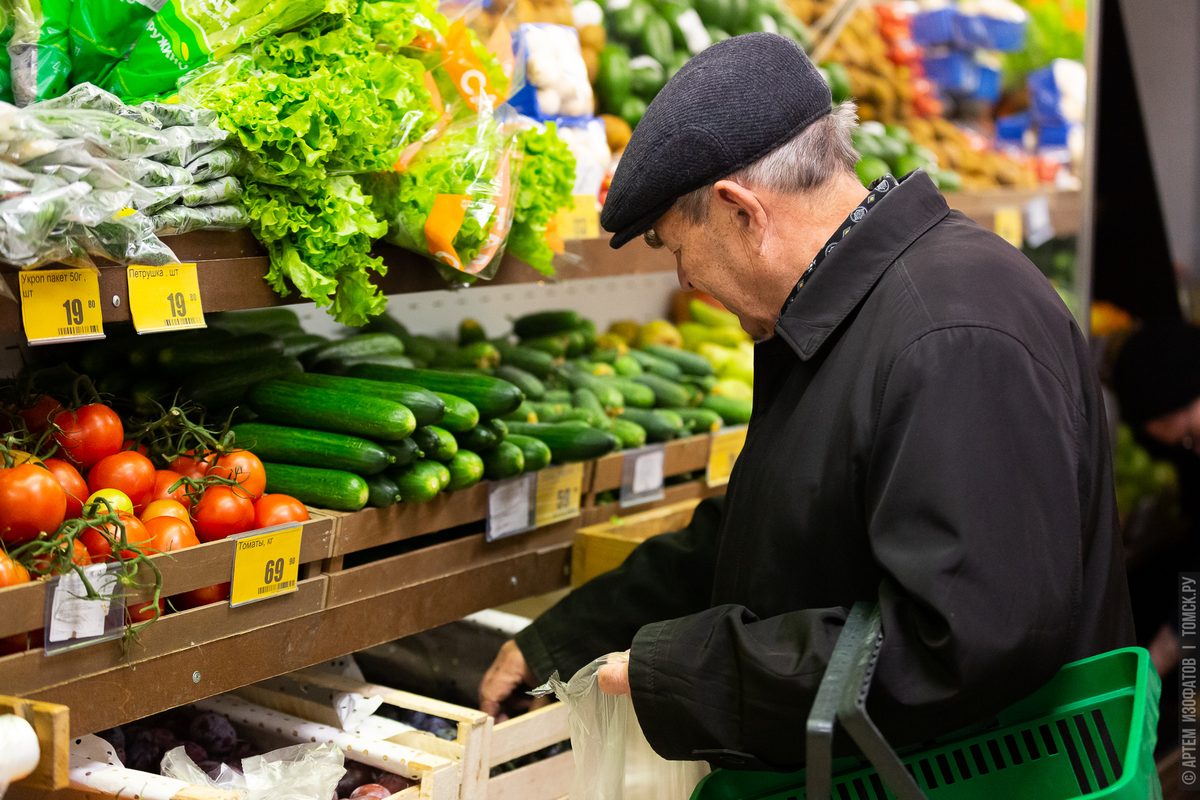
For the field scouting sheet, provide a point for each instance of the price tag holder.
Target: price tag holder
(60, 305)
(165, 298)
(581, 220)
(1007, 225)
(559, 492)
(72, 621)
(511, 505)
(642, 475)
(1039, 228)
(723, 452)
(265, 564)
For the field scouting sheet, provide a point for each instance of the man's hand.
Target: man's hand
(614, 676)
(507, 673)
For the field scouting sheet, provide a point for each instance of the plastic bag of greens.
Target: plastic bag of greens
(181, 219)
(27, 220)
(151, 173)
(22, 137)
(160, 197)
(187, 143)
(6, 34)
(85, 95)
(38, 49)
(73, 162)
(222, 190)
(171, 115)
(103, 32)
(119, 137)
(217, 164)
(97, 206)
(126, 237)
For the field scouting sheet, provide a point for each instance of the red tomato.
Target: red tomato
(190, 467)
(201, 597)
(276, 509)
(141, 612)
(79, 555)
(11, 571)
(245, 468)
(370, 791)
(221, 513)
(89, 434)
(101, 550)
(31, 501)
(169, 533)
(164, 479)
(37, 417)
(129, 445)
(130, 472)
(72, 483)
(167, 508)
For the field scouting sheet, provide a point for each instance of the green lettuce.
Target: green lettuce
(546, 180)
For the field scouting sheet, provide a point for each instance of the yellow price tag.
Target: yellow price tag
(165, 298)
(581, 220)
(723, 452)
(60, 305)
(265, 564)
(1007, 225)
(559, 490)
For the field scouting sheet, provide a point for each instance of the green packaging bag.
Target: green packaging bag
(41, 61)
(187, 34)
(6, 34)
(103, 32)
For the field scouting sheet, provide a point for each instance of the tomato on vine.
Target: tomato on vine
(166, 508)
(12, 572)
(189, 466)
(201, 597)
(72, 483)
(89, 434)
(244, 467)
(31, 502)
(164, 479)
(101, 548)
(170, 533)
(276, 509)
(222, 513)
(109, 500)
(129, 471)
(38, 416)
(43, 563)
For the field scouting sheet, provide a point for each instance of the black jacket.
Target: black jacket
(928, 432)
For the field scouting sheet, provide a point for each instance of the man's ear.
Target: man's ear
(749, 214)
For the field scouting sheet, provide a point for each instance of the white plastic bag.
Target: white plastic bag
(613, 760)
(299, 772)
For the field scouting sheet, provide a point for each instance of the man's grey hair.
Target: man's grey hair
(804, 163)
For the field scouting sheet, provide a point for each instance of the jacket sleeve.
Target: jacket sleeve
(971, 497)
(666, 576)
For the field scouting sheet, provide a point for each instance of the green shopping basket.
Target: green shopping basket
(1088, 733)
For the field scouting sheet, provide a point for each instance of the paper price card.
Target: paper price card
(511, 504)
(581, 220)
(165, 298)
(723, 451)
(642, 475)
(72, 620)
(61, 305)
(559, 491)
(265, 564)
(1007, 225)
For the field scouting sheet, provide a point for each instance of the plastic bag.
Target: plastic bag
(613, 760)
(217, 164)
(159, 197)
(186, 143)
(222, 190)
(117, 136)
(73, 163)
(181, 219)
(85, 95)
(22, 137)
(103, 32)
(171, 115)
(39, 49)
(127, 237)
(151, 173)
(551, 73)
(27, 220)
(6, 34)
(300, 772)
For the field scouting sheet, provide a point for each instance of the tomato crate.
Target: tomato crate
(549, 779)
(604, 546)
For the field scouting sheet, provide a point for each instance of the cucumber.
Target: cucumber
(529, 385)
(659, 426)
(470, 332)
(257, 319)
(404, 452)
(556, 412)
(603, 356)
(536, 452)
(478, 440)
(609, 396)
(460, 416)
(559, 396)
(630, 433)
(568, 443)
(225, 386)
(635, 394)
(382, 491)
(627, 366)
(339, 366)
(419, 482)
(298, 344)
(734, 412)
(667, 393)
(386, 323)
(186, 358)
(466, 470)
(546, 323)
(492, 396)
(443, 475)
(536, 362)
(438, 444)
(323, 488)
(481, 355)
(364, 344)
(656, 365)
(524, 413)
(700, 420)
(427, 407)
(689, 363)
(308, 448)
(577, 343)
(149, 391)
(302, 406)
(553, 346)
(695, 394)
(505, 460)
(586, 400)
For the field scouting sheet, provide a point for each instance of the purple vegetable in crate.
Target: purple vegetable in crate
(195, 752)
(370, 791)
(210, 768)
(214, 733)
(146, 750)
(356, 775)
(394, 783)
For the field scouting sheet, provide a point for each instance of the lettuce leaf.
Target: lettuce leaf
(546, 181)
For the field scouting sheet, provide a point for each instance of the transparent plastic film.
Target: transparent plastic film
(300, 772)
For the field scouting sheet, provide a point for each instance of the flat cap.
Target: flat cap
(729, 106)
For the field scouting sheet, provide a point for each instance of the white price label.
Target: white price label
(642, 475)
(511, 504)
(72, 616)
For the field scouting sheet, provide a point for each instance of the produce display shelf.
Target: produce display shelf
(231, 266)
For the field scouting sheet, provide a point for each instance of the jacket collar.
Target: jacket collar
(852, 269)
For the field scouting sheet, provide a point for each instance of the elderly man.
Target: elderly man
(927, 433)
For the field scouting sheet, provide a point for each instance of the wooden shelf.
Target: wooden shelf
(1066, 208)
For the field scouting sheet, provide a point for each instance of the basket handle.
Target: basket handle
(842, 695)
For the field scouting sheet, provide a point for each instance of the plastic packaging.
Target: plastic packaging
(222, 190)
(127, 237)
(217, 164)
(151, 173)
(181, 219)
(85, 95)
(299, 772)
(551, 73)
(171, 115)
(7, 24)
(103, 32)
(22, 137)
(26, 221)
(119, 137)
(38, 49)
(613, 760)
(186, 143)
(159, 197)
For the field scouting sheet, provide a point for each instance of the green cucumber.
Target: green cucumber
(553, 346)
(734, 412)
(656, 365)
(427, 407)
(466, 470)
(536, 362)
(586, 400)
(529, 385)
(630, 433)
(252, 320)
(524, 413)
(460, 416)
(546, 323)
(298, 344)
(386, 323)
(627, 366)
(577, 343)
(699, 420)
(382, 491)
(404, 452)
(568, 443)
(659, 426)
(419, 482)
(609, 396)
(470, 332)
(689, 363)
(505, 460)
(308, 448)
(187, 358)
(443, 475)
(340, 366)
(479, 439)
(324, 488)
(704, 383)
(364, 344)
(695, 394)
(559, 396)
(557, 412)
(536, 452)
(302, 406)
(492, 396)
(423, 348)
(225, 386)
(438, 444)
(667, 393)
(635, 394)
(480, 355)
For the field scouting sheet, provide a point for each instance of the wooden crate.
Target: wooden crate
(682, 455)
(544, 780)
(605, 546)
